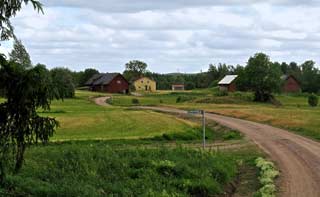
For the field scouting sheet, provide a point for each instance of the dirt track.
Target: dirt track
(297, 157)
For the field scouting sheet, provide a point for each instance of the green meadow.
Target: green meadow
(294, 114)
(119, 151)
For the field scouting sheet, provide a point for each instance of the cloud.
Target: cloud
(175, 35)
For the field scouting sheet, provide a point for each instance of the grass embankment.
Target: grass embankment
(101, 169)
(295, 114)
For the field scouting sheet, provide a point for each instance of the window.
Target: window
(118, 82)
(147, 81)
(141, 81)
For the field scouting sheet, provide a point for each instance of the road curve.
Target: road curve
(297, 157)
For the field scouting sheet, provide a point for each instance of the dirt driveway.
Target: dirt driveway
(297, 157)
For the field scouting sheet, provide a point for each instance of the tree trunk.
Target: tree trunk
(19, 156)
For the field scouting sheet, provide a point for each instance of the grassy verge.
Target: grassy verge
(100, 169)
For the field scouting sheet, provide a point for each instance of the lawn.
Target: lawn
(80, 119)
(295, 114)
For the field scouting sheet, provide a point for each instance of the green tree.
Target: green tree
(262, 77)
(25, 91)
(20, 124)
(8, 9)
(20, 55)
(86, 75)
(63, 82)
(134, 69)
(309, 77)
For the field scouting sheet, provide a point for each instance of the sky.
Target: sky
(169, 35)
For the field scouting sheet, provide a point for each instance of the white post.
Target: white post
(204, 129)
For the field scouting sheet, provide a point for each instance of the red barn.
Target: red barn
(290, 84)
(228, 83)
(108, 82)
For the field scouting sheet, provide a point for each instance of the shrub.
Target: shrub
(222, 93)
(267, 175)
(313, 100)
(232, 135)
(182, 99)
(135, 101)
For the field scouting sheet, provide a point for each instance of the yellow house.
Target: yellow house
(145, 84)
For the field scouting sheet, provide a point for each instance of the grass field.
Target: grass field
(115, 151)
(295, 114)
(80, 119)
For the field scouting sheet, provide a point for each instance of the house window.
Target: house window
(141, 81)
(147, 81)
(118, 82)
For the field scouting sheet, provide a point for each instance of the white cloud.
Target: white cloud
(169, 35)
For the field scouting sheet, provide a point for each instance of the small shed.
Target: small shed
(178, 87)
(108, 82)
(290, 84)
(228, 83)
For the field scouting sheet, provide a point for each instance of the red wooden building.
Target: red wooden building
(108, 82)
(290, 84)
(228, 83)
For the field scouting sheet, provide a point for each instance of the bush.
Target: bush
(222, 93)
(313, 100)
(182, 99)
(267, 175)
(135, 101)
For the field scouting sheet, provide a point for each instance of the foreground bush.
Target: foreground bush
(313, 100)
(100, 170)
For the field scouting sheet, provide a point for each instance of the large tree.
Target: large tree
(25, 91)
(134, 69)
(8, 9)
(20, 55)
(20, 125)
(63, 82)
(86, 75)
(262, 77)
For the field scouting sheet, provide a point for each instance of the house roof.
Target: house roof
(101, 79)
(228, 79)
(286, 77)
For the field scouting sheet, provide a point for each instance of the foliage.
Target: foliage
(135, 101)
(86, 75)
(98, 169)
(268, 173)
(313, 100)
(63, 82)
(134, 69)
(20, 125)
(20, 55)
(184, 98)
(8, 9)
(262, 77)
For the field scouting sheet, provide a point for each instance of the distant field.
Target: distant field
(80, 119)
(295, 114)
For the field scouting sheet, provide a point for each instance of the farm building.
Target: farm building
(108, 82)
(228, 83)
(145, 84)
(177, 87)
(290, 84)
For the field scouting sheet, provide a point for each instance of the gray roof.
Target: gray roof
(101, 79)
(228, 79)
